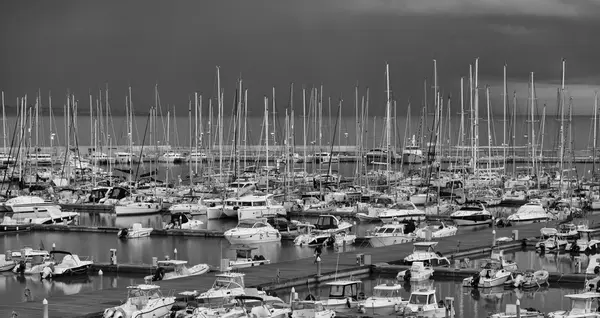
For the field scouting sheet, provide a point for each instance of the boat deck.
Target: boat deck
(92, 304)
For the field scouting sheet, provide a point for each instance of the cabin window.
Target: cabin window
(431, 301)
(384, 293)
(259, 203)
(246, 203)
(418, 299)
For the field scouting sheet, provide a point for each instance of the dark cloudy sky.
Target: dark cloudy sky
(80, 45)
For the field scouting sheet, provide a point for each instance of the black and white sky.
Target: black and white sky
(81, 45)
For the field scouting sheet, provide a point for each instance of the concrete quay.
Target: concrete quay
(287, 274)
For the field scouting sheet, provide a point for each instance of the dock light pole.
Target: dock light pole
(518, 303)
(45, 306)
(494, 241)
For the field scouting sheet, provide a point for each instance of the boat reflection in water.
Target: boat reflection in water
(23, 288)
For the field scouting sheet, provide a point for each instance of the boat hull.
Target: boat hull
(412, 158)
(466, 221)
(235, 238)
(379, 241)
(138, 209)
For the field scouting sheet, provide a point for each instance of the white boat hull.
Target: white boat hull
(237, 238)
(379, 241)
(137, 209)
(245, 263)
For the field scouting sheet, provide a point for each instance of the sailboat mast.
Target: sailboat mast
(476, 105)
(532, 126)
(387, 118)
(487, 95)
(595, 132)
(191, 140)
(4, 123)
(462, 117)
(267, 140)
(92, 124)
(245, 126)
(219, 101)
(504, 103)
(562, 123)
(304, 125)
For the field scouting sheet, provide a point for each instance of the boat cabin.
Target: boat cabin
(343, 289)
(422, 299)
(388, 290)
(582, 304)
(179, 218)
(243, 252)
(140, 295)
(425, 252)
(307, 305)
(327, 222)
(229, 280)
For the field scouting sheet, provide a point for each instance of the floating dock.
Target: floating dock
(297, 272)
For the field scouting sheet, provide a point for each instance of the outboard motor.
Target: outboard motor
(159, 275)
(475, 281)
(123, 233)
(407, 275)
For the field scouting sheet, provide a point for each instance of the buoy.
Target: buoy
(100, 273)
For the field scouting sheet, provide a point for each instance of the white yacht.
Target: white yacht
(180, 270)
(251, 231)
(531, 212)
(343, 296)
(183, 221)
(101, 158)
(143, 301)
(138, 205)
(472, 213)
(582, 305)
(44, 215)
(386, 300)
(326, 157)
(412, 153)
(401, 211)
(247, 207)
(40, 159)
(425, 252)
(437, 230)
(125, 157)
(390, 234)
(423, 303)
(171, 157)
(326, 229)
(70, 264)
(226, 286)
(492, 274)
(27, 203)
(197, 157)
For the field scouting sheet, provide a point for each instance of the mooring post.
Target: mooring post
(318, 266)
(53, 246)
(45, 305)
(494, 241)
(175, 253)
(518, 303)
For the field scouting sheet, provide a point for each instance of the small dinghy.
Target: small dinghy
(136, 231)
(531, 280)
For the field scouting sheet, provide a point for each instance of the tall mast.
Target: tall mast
(191, 140)
(476, 105)
(267, 139)
(304, 124)
(562, 122)
(595, 132)
(514, 134)
(462, 117)
(504, 103)
(532, 126)
(245, 126)
(195, 133)
(387, 118)
(487, 95)
(219, 102)
(4, 123)
(472, 119)
(92, 124)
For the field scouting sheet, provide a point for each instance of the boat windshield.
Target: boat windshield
(307, 305)
(385, 293)
(403, 206)
(339, 291)
(420, 299)
(149, 294)
(245, 225)
(383, 230)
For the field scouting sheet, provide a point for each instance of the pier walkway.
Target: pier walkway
(298, 272)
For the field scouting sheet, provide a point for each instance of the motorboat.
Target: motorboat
(343, 296)
(472, 213)
(252, 231)
(584, 244)
(379, 155)
(171, 157)
(310, 309)
(43, 215)
(437, 230)
(423, 303)
(530, 212)
(514, 196)
(326, 229)
(386, 300)
(27, 260)
(498, 255)
(183, 221)
(582, 305)
(511, 312)
(552, 244)
(69, 265)
(391, 234)
(401, 211)
(28, 203)
(143, 301)
(565, 231)
(425, 252)
(531, 279)
(244, 258)
(491, 275)
(226, 286)
(135, 231)
(417, 272)
(180, 270)
(197, 157)
(247, 207)
(6, 265)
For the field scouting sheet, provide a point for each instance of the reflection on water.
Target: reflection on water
(468, 302)
(20, 288)
(529, 259)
